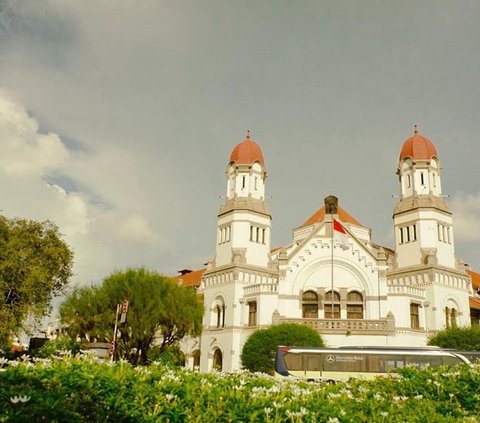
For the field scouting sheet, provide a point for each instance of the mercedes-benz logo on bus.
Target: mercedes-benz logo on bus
(330, 358)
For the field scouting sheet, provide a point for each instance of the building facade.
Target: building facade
(355, 293)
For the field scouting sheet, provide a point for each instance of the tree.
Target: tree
(157, 306)
(258, 353)
(460, 338)
(35, 266)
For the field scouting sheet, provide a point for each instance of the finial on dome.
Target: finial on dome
(415, 129)
(248, 134)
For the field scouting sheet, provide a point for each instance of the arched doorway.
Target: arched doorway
(217, 360)
(196, 359)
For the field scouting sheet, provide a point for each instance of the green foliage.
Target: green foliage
(258, 353)
(84, 390)
(35, 265)
(460, 338)
(157, 305)
(171, 356)
(57, 346)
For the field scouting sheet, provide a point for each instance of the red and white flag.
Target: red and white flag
(340, 235)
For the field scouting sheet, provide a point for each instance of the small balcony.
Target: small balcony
(384, 326)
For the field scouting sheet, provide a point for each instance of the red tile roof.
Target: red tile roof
(475, 278)
(192, 278)
(474, 303)
(319, 216)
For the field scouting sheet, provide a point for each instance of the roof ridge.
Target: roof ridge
(319, 216)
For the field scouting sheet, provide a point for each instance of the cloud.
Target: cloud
(25, 151)
(466, 212)
(133, 228)
(95, 195)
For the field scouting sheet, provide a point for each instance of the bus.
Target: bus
(340, 364)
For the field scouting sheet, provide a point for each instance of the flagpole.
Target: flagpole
(114, 341)
(331, 292)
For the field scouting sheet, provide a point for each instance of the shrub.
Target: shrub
(258, 353)
(82, 389)
(460, 338)
(56, 346)
(171, 356)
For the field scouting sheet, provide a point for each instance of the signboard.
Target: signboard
(124, 309)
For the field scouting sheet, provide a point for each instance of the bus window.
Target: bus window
(384, 363)
(312, 362)
(424, 361)
(452, 361)
(293, 361)
(336, 362)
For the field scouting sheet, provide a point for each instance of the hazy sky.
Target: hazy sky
(117, 118)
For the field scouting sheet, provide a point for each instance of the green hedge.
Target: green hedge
(83, 390)
(258, 353)
(460, 338)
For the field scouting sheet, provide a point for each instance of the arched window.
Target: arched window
(252, 313)
(217, 360)
(218, 313)
(331, 305)
(196, 359)
(453, 318)
(354, 305)
(310, 305)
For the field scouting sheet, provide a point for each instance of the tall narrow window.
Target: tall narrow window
(401, 235)
(310, 305)
(196, 359)
(414, 316)
(219, 315)
(407, 230)
(453, 318)
(422, 179)
(252, 313)
(263, 235)
(408, 181)
(257, 239)
(243, 182)
(354, 305)
(217, 360)
(331, 305)
(447, 317)
(251, 233)
(256, 180)
(414, 232)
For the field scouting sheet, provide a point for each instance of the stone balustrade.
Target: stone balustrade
(384, 326)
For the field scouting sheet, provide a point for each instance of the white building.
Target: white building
(358, 294)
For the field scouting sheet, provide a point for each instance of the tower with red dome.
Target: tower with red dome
(422, 219)
(244, 219)
(242, 261)
(424, 238)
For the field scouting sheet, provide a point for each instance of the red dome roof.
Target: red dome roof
(247, 152)
(418, 147)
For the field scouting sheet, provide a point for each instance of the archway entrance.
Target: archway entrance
(196, 359)
(217, 360)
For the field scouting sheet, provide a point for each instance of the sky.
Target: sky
(118, 117)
